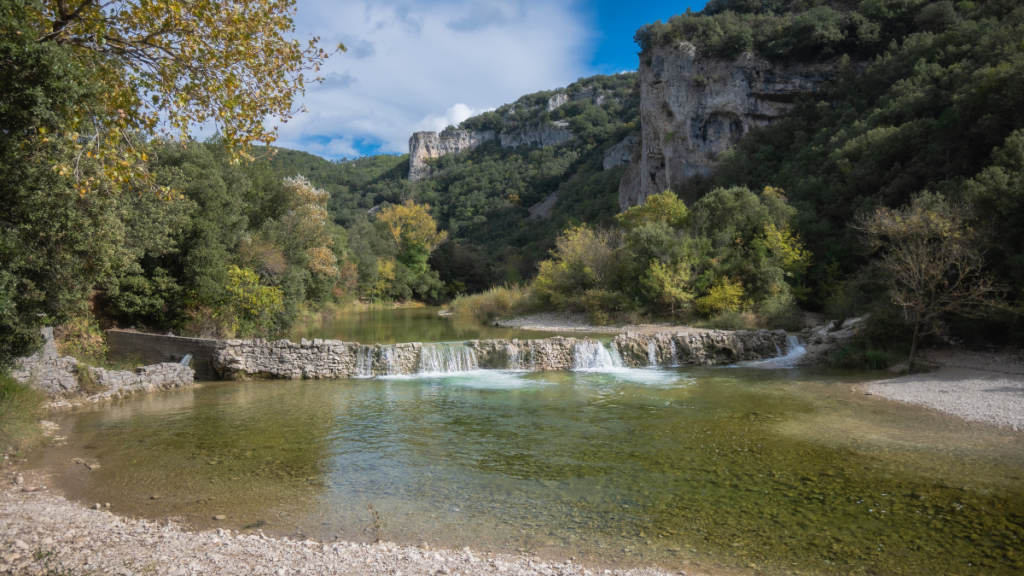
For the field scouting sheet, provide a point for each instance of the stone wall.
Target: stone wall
(282, 359)
(47, 370)
(556, 353)
(126, 345)
(704, 348)
(61, 376)
(692, 107)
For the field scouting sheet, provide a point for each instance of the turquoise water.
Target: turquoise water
(739, 470)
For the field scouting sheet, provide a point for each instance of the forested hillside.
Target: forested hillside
(927, 96)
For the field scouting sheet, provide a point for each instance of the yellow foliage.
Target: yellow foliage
(788, 248)
(248, 297)
(412, 226)
(665, 207)
(725, 296)
(670, 283)
(582, 259)
(169, 65)
(385, 276)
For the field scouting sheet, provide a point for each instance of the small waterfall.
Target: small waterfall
(675, 353)
(590, 355)
(445, 359)
(652, 353)
(533, 357)
(389, 357)
(795, 350)
(364, 362)
(616, 357)
(515, 356)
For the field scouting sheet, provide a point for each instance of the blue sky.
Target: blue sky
(423, 65)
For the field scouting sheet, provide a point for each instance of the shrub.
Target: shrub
(725, 296)
(82, 338)
(20, 408)
(494, 303)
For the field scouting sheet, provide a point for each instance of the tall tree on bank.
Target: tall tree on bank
(931, 262)
(169, 65)
(83, 84)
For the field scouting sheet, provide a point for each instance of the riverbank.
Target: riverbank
(43, 533)
(983, 387)
(569, 322)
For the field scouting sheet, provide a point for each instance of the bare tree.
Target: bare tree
(932, 262)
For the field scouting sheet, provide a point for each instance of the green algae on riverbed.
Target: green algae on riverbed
(766, 471)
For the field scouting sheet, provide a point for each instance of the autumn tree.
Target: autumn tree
(931, 262)
(166, 66)
(412, 227)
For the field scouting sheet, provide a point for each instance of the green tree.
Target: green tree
(175, 64)
(931, 261)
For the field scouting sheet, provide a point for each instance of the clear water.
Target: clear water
(410, 325)
(735, 470)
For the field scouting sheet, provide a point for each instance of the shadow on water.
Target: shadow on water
(750, 469)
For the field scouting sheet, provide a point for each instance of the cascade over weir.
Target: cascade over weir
(283, 359)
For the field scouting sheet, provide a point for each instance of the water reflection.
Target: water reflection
(410, 325)
(780, 469)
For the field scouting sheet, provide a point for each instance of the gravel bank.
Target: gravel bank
(983, 387)
(42, 533)
(567, 322)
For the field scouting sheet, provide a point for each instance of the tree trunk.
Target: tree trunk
(913, 347)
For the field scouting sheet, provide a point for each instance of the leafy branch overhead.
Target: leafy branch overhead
(166, 66)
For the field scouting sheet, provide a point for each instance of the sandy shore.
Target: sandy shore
(42, 533)
(980, 386)
(568, 322)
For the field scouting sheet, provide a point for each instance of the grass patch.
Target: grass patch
(508, 300)
(20, 409)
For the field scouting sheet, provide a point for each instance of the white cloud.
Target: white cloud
(423, 66)
(452, 116)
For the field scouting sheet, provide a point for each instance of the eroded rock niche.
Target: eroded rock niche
(693, 107)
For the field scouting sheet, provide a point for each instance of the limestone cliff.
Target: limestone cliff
(425, 145)
(693, 107)
(538, 136)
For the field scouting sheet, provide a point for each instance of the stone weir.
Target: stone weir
(704, 348)
(283, 359)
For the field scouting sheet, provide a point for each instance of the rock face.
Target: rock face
(701, 349)
(555, 101)
(538, 136)
(622, 152)
(693, 107)
(59, 376)
(425, 145)
(823, 339)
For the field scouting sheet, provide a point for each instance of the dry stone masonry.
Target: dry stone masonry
(312, 359)
(708, 348)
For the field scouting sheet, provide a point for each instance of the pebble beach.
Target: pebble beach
(44, 534)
